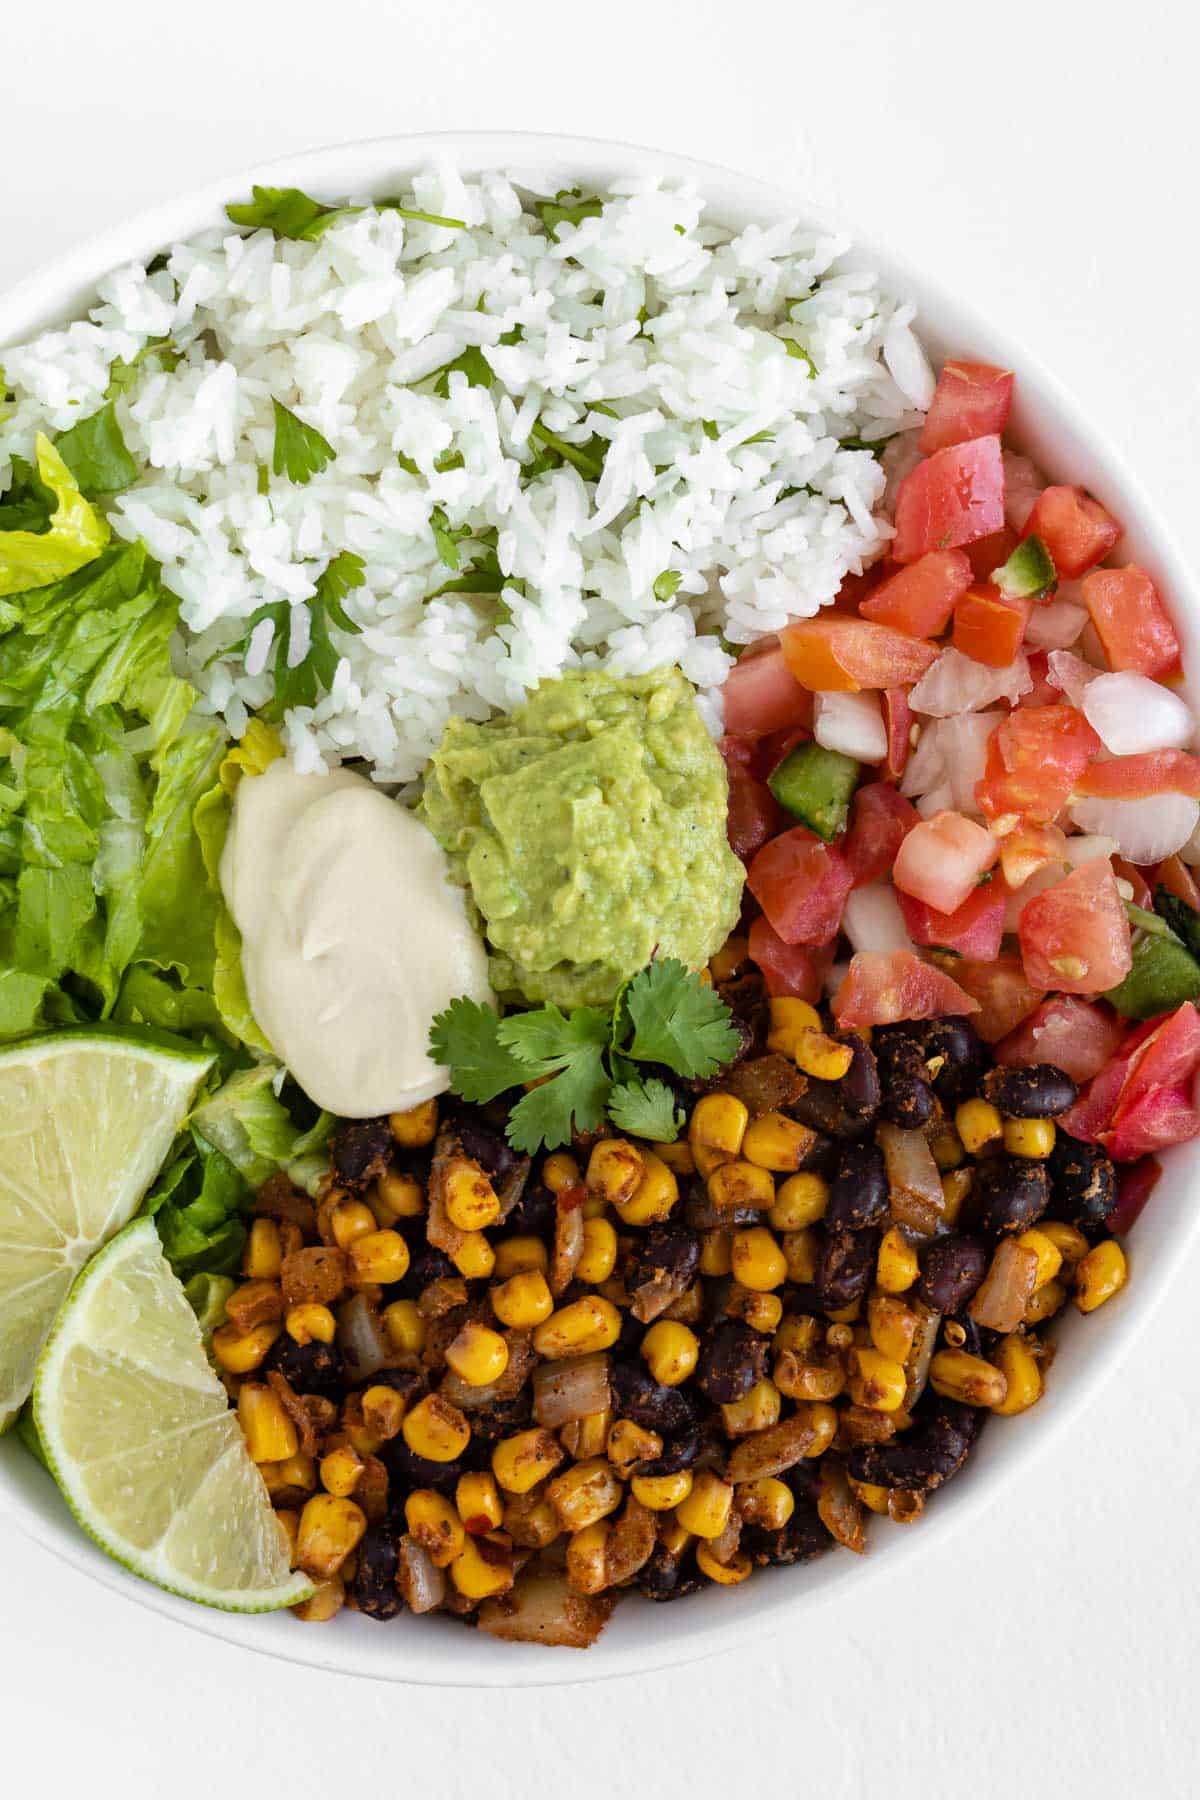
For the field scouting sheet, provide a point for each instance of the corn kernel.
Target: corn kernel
(239, 1352)
(789, 1020)
(262, 1258)
(716, 1252)
(754, 1411)
(654, 1196)
(628, 1444)
(523, 1300)
(762, 1312)
(797, 1332)
(341, 1471)
(874, 1498)
(660, 1493)
(397, 1197)
(483, 1567)
(330, 1528)
(1068, 1240)
(892, 1326)
(824, 1422)
(956, 1185)
(758, 1261)
(821, 1057)
(1049, 1256)
(673, 1537)
(416, 1126)
(520, 1462)
(405, 1326)
(477, 1499)
(1029, 1137)
(670, 1352)
(270, 1435)
(474, 1259)
(478, 1355)
(1019, 1366)
(295, 1472)
(471, 1201)
(957, 1375)
(876, 1381)
(896, 1266)
(978, 1124)
(288, 1520)
(776, 1142)
(728, 1574)
(717, 1127)
(800, 1201)
(1101, 1274)
(351, 1219)
(324, 1603)
(383, 1410)
(586, 1492)
(599, 1257)
(767, 1502)
(436, 1430)
(586, 1437)
(310, 1322)
(614, 1170)
(576, 1330)
(678, 1157)
(560, 1172)
(518, 1255)
(736, 1184)
(1045, 1303)
(587, 1552)
(434, 1525)
(948, 1153)
(379, 1256)
(800, 1255)
(705, 1511)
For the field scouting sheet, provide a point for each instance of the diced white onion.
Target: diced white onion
(872, 919)
(1145, 830)
(925, 768)
(1070, 674)
(964, 743)
(1084, 849)
(1056, 625)
(1131, 714)
(956, 684)
(1023, 482)
(851, 723)
(938, 799)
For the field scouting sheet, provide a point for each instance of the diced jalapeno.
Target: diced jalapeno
(1163, 976)
(1029, 572)
(815, 785)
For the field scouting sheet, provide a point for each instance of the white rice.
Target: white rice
(345, 330)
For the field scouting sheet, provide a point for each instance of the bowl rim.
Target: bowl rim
(60, 289)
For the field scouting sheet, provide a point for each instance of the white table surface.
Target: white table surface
(1041, 157)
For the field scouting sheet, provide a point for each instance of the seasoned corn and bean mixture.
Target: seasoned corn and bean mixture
(514, 1389)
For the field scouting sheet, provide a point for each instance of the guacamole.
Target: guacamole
(589, 825)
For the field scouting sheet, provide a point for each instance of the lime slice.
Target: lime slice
(139, 1435)
(87, 1121)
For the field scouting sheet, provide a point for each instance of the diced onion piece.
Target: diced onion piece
(1006, 1289)
(956, 684)
(565, 1391)
(940, 799)
(926, 768)
(840, 1509)
(1086, 848)
(873, 920)
(913, 1178)
(422, 1585)
(921, 1352)
(964, 753)
(542, 1609)
(851, 723)
(362, 1338)
(1056, 625)
(1146, 830)
(1131, 714)
(1023, 482)
(1071, 674)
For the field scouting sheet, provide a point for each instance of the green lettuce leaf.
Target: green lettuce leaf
(249, 1124)
(73, 536)
(97, 455)
(258, 749)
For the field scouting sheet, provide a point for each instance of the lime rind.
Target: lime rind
(127, 1346)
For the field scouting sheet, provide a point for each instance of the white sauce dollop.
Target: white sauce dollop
(353, 936)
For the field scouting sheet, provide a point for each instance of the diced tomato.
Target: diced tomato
(801, 885)
(898, 721)
(919, 599)
(1137, 777)
(971, 400)
(1028, 849)
(1163, 1117)
(1164, 1053)
(794, 969)
(1135, 1184)
(754, 814)
(987, 554)
(1002, 992)
(1142, 1100)
(953, 497)
(1178, 879)
(880, 820)
(1075, 936)
(1127, 871)
(989, 628)
(1043, 692)
(761, 696)
(972, 929)
(1074, 1035)
(1034, 761)
(840, 656)
(1076, 530)
(882, 987)
(941, 860)
(1131, 621)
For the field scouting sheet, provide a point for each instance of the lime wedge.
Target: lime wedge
(86, 1121)
(139, 1435)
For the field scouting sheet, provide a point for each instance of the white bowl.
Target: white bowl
(1049, 425)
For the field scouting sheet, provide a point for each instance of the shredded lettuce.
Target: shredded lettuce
(74, 533)
(258, 749)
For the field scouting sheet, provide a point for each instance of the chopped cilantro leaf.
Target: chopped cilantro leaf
(97, 454)
(647, 1109)
(157, 353)
(799, 353)
(290, 213)
(666, 585)
(568, 208)
(448, 537)
(710, 428)
(587, 458)
(300, 451)
(408, 465)
(472, 363)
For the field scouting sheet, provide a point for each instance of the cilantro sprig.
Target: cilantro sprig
(300, 683)
(291, 213)
(299, 451)
(578, 1066)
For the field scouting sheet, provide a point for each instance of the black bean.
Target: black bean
(360, 1151)
(1011, 1193)
(498, 1420)
(844, 1265)
(802, 1538)
(668, 1253)
(375, 1589)
(804, 1478)
(407, 1470)
(533, 1215)
(965, 1057)
(923, 1457)
(427, 1266)
(314, 1368)
(951, 1269)
(1040, 1091)
(962, 1333)
(484, 1146)
(667, 1577)
(843, 1108)
(1084, 1184)
(859, 1086)
(732, 1358)
(412, 1383)
(858, 1194)
(907, 1096)
(647, 1402)
(678, 1452)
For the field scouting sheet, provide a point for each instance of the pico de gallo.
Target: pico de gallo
(969, 787)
